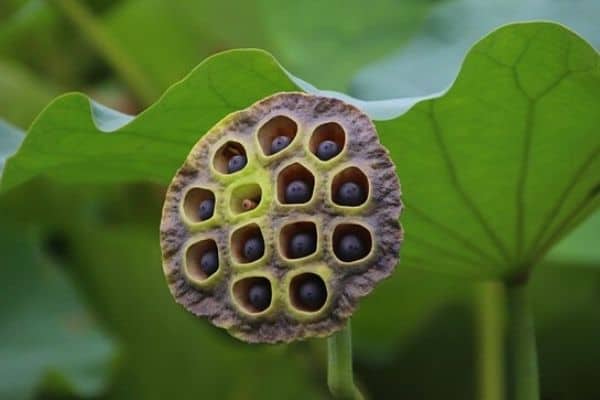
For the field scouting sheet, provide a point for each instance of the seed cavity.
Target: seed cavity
(308, 292)
(295, 184)
(231, 157)
(351, 242)
(350, 187)
(298, 239)
(254, 294)
(247, 244)
(327, 141)
(276, 134)
(202, 259)
(245, 198)
(199, 204)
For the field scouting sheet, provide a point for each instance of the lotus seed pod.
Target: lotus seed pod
(298, 203)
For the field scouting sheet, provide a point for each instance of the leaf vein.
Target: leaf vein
(452, 171)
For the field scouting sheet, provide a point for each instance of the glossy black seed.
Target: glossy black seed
(350, 194)
(209, 262)
(254, 248)
(279, 143)
(297, 192)
(206, 209)
(302, 244)
(327, 149)
(236, 163)
(259, 295)
(312, 293)
(351, 248)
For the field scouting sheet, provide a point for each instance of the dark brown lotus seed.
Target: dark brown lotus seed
(327, 150)
(350, 194)
(236, 163)
(297, 192)
(259, 295)
(254, 248)
(351, 248)
(302, 244)
(312, 293)
(209, 262)
(206, 209)
(279, 143)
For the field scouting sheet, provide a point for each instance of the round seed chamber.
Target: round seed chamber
(281, 218)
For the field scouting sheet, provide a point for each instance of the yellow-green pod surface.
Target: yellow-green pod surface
(251, 202)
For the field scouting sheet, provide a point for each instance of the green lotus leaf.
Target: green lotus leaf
(494, 171)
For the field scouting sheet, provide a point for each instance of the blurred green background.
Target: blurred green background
(84, 309)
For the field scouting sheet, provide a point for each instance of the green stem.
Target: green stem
(95, 33)
(507, 361)
(490, 324)
(339, 367)
(521, 354)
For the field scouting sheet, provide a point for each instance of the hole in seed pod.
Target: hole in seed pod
(327, 141)
(350, 187)
(308, 292)
(202, 259)
(295, 184)
(247, 244)
(199, 204)
(298, 239)
(277, 134)
(245, 198)
(253, 294)
(230, 158)
(351, 242)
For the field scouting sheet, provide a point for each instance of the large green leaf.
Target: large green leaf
(47, 338)
(494, 172)
(503, 165)
(449, 32)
